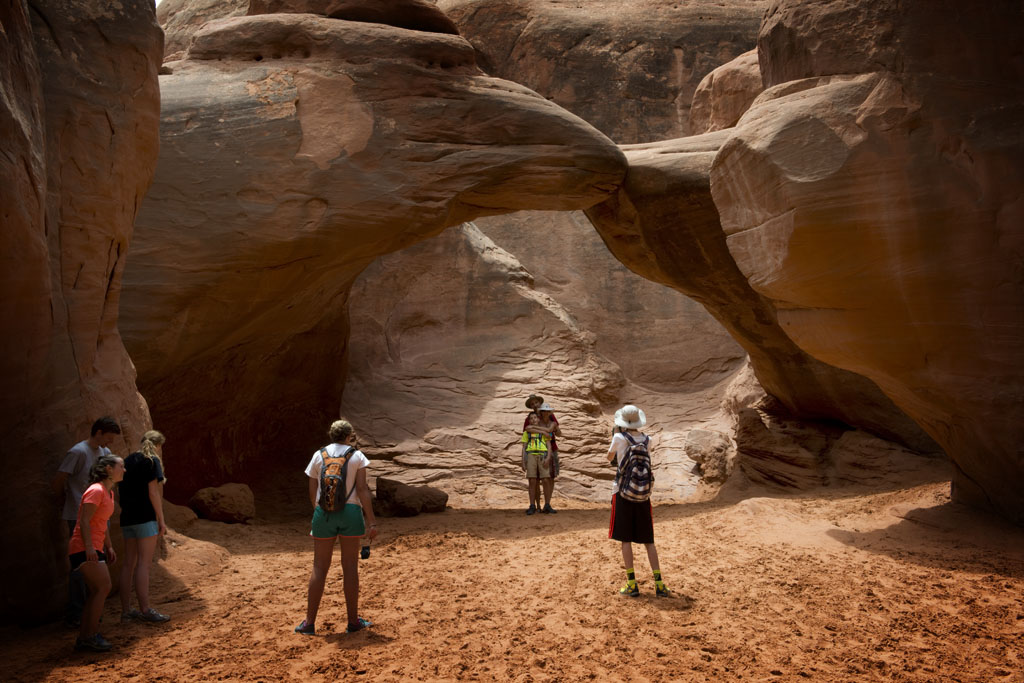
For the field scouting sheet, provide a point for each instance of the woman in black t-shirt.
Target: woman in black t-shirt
(142, 522)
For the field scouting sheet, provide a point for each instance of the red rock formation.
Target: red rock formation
(872, 194)
(665, 350)
(449, 336)
(628, 68)
(296, 149)
(725, 93)
(416, 15)
(180, 19)
(664, 225)
(80, 145)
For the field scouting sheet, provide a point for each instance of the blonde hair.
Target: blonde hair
(340, 430)
(150, 440)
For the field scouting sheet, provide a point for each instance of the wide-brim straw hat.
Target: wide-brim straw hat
(532, 398)
(630, 417)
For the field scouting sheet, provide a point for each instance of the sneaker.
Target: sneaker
(359, 625)
(630, 591)
(661, 591)
(152, 616)
(94, 643)
(130, 615)
(306, 629)
(549, 510)
(532, 509)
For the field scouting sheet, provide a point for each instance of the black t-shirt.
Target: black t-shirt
(134, 489)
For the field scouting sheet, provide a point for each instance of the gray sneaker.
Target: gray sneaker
(152, 616)
(130, 615)
(94, 643)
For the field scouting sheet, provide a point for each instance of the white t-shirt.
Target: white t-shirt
(77, 463)
(355, 463)
(620, 446)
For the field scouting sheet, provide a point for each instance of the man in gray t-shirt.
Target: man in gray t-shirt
(71, 482)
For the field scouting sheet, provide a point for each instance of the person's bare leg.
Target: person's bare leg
(627, 555)
(652, 557)
(350, 567)
(97, 579)
(549, 488)
(323, 548)
(534, 492)
(131, 556)
(147, 547)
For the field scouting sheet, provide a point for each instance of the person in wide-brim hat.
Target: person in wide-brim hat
(630, 417)
(632, 519)
(541, 472)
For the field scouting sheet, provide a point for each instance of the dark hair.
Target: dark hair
(99, 469)
(105, 424)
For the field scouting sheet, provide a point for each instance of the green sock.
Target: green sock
(657, 575)
(630, 577)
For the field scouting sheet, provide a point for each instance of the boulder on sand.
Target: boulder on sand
(227, 503)
(395, 499)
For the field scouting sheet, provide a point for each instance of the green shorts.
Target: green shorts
(345, 522)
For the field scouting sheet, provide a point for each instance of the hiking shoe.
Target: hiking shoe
(628, 591)
(130, 615)
(306, 629)
(359, 625)
(152, 616)
(549, 510)
(532, 509)
(94, 643)
(661, 591)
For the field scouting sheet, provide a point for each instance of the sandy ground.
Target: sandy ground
(893, 586)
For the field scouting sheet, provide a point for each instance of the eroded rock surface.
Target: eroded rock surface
(629, 68)
(180, 20)
(562, 299)
(296, 149)
(450, 336)
(79, 148)
(417, 15)
(725, 94)
(664, 225)
(872, 195)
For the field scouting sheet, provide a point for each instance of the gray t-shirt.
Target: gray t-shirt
(77, 464)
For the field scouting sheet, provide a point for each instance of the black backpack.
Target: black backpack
(636, 477)
(333, 470)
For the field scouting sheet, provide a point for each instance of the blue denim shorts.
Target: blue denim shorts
(144, 530)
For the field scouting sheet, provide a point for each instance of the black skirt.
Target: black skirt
(631, 522)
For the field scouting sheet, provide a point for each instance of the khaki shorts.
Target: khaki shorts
(534, 468)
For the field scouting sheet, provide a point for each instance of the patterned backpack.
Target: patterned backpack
(636, 477)
(333, 471)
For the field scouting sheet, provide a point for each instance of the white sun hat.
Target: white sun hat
(630, 417)
(545, 406)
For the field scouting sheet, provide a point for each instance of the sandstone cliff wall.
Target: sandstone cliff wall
(872, 194)
(79, 116)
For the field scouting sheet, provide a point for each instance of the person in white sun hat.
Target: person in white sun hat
(632, 519)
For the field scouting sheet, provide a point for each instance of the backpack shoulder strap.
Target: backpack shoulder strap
(628, 437)
(344, 474)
